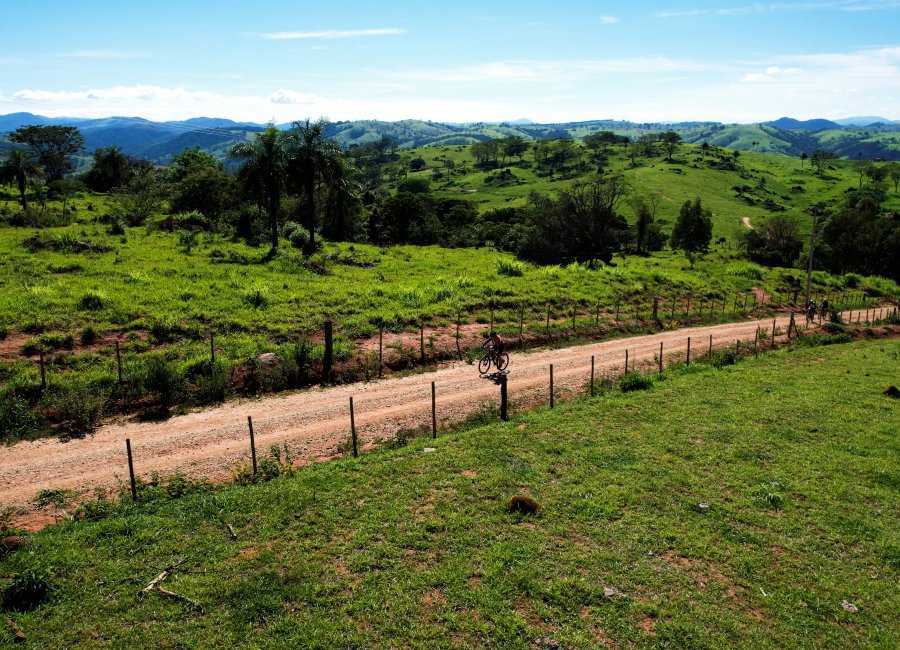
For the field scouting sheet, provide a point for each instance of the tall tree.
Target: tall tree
(53, 146)
(264, 171)
(313, 161)
(670, 141)
(111, 168)
(19, 168)
(693, 228)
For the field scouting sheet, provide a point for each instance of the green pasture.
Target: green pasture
(754, 505)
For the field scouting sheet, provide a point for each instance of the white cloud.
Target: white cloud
(330, 34)
(609, 20)
(774, 7)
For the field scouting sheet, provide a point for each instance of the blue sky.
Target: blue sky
(453, 61)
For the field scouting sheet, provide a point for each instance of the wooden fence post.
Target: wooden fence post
(597, 316)
(618, 304)
(433, 412)
(212, 348)
(756, 342)
(687, 313)
(381, 350)
(773, 331)
(353, 428)
(521, 323)
(43, 370)
(710, 347)
(688, 358)
(655, 307)
(504, 401)
(660, 356)
(131, 470)
(574, 313)
(672, 315)
(592, 375)
(626, 361)
(252, 444)
(551, 385)
(329, 351)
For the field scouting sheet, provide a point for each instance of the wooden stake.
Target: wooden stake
(626, 361)
(119, 362)
(353, 428)
(551, 385)
(710, 347)
(252, 443)
(548, 321)
(422, 342)
(131, 470)
(212, 348)
(329, 351)
(381, 347)
(504, 402)
(44, 372)
(660, 356)
(773, 332)
(688, 358)
(592, 375)
(458, 348)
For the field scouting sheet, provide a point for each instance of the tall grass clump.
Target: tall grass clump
(746, 270)
(510, 268)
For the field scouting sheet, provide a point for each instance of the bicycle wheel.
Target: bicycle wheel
(484, 364)
(502, 361)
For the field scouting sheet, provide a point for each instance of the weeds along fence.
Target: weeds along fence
(71, 397)
(637, 368)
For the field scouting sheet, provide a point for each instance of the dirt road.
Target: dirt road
(207, 443)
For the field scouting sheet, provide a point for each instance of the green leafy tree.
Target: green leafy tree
(893, 172)
(313, 162)
(820, 157)
(52, 145)
(141, 198)
(693, 228)
(264, 172)
(20, 167)
(111, 168)
(670, 141)
(777, 244)
(199, 183)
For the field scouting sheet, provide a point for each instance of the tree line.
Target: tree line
(297, 183)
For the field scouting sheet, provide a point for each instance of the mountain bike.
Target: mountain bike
(500, 361)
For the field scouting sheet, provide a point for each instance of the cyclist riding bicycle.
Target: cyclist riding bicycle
(811, 310)
(823, 308)
(493, 343)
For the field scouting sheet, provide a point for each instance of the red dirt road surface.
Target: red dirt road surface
(206, 444)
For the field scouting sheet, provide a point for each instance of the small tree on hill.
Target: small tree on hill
(693, 229)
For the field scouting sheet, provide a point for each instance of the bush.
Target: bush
(164, 379)
(634, 381)
(746, 270)
(722, 358)
(77, 407)
(510, 268)
(299, 238)
(92, 301)
(28, 590)
(209, 386)
(16, 418)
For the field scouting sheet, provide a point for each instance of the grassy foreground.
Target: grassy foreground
(795, 454)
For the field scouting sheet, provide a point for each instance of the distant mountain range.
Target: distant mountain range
(855, 137)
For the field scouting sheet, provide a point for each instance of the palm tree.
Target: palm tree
(342, 203)
(265, 171)
(111, 169)
(314, 161)
(18, 168)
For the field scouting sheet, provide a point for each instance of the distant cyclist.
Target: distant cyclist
(811, 311)
(823, 308)
(494, 344)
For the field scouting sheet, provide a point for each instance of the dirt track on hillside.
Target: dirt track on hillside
(207, 444)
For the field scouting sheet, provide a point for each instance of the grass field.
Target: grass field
(793, 456)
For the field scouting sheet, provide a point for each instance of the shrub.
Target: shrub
(57, 341)
(78, 407)
(257, 296)
(209, 387)
(16, 418)
(28, 590)
(92, 301)
(722, 358)
(88, 336)
(746, 270)
(634, 381)
(163, 378)
(510, 268)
